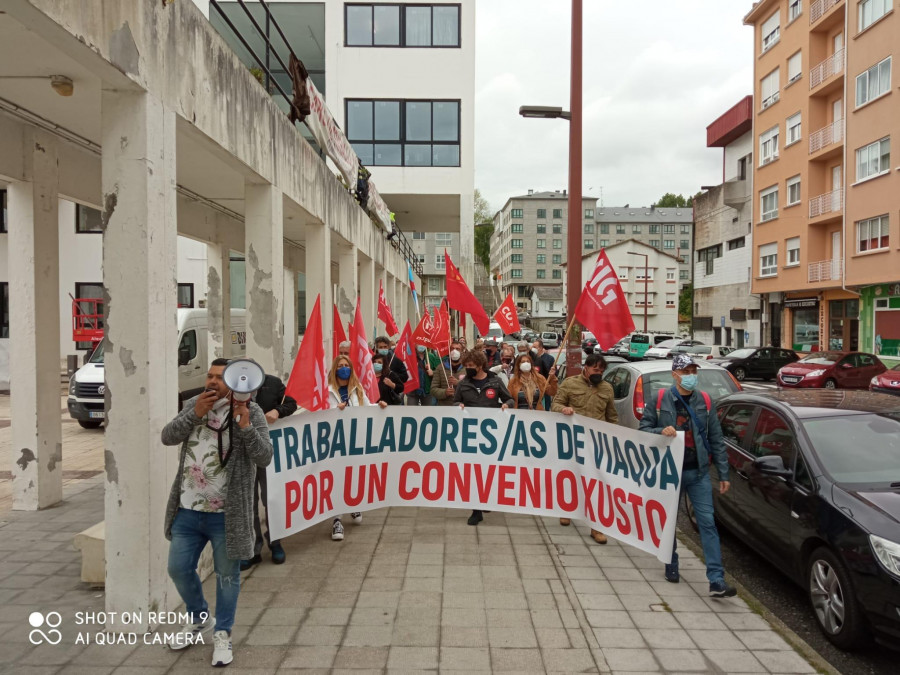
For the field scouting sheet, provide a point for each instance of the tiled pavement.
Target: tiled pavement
(409, 590)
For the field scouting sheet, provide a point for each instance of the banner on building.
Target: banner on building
(621, 481)
(329, 135)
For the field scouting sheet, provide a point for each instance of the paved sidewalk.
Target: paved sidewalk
(408, 590)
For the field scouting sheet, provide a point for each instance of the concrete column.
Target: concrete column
(349, 281)
(34, 363)
(368, 290)
(264, 244)
(139, 273)
(218, 300)
(290, 322)
(318, 277)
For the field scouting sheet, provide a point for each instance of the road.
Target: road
(789, 602)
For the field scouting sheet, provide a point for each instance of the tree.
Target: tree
(483, 211)
(484, 228)
(684, 302)
(673, 201)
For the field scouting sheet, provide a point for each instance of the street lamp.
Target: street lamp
(646, 258)
(573, 115)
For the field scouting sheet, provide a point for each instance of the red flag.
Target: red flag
(384, 312)
(423, 332)
(339, 335)
(602, 307)
(507, 315)
(311, 393)
(460, 297)
(440, 335)
(405, 352)
(361, 357)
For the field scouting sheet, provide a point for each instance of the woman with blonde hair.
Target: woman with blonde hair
(344, 389)
(527, 385)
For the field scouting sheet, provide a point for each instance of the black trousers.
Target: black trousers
(260, 488)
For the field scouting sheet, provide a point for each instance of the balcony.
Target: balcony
(737, 192)
(818, 9)
(825, 270)
(830, 202)
(827, 135)
(831, 66)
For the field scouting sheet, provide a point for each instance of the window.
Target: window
(542, 274)
(654, 243)
(708, 256)
(635, 229)
(188, 347)
(404, 133)
(87, 220)
(669, 244)
(3, 224)
(873, 159)
(795, 67)
(515, 274)
(589, 213)
(516, 228)
(740, 242)
(4, 309)
(434, 285)
(185, 295)
(418, 235)
(620, 381)
(557, 228)
(793, 129)
(88, 291)
(557, 259)
(685, 229)
(768, 145)
(872, 234)
(641, 273)
(769, 89)
(604, 243)
(557, 243)
(588, 244)
(604, 228)
(620, 229)
(420, 258)
(517, 243)
(768, 260)
(402, 26)
(542, 213)
(770, 31)
(439, 262)
(736, 422)
(772, 436)
(516, 258)
(541, 258)
(588, 228)
(622, 271)
(794, 9)
(683, 274)
(541, 228)
(443, 239)
(516, 213)
(793, 191)
(668, 229)
(670, 275)
(793, 251)
(768, 200)
(557, 213)
(872, 10)
(557, 274)
(654, 229)
(670, 299)
(542, 243)
(873, 82)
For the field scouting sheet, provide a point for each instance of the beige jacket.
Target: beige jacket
(578, 394)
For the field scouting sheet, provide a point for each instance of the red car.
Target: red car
(832, 370)
(887, 382)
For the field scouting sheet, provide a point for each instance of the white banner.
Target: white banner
(329, 135)
(378, 209)
(625, 483)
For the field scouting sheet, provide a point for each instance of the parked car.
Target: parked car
(814, 480)
(641, 342)
(619, 349)
(561, 368)
(832, 370)
(762, 362)
(887, 382)
(666, 350)
(705, 352)
(637, 384)
(588, 342)
(550, 339)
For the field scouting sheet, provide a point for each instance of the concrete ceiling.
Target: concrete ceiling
(425, 213)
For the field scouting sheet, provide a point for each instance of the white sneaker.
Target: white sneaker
(337, 531)
(191, 634)
(222, 655)
(356, 518)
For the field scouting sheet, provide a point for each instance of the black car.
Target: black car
(587, 345)
(762, 362)
(815, 478)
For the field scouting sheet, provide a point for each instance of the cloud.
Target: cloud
(656, 73)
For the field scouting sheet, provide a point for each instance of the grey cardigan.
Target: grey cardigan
(250, 448)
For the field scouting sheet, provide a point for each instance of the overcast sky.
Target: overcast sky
(656, 73)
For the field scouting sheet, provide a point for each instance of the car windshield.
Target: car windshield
(716, 383)
(698, 350)
(640, 339)
(667, 344)
(858, 448)
(97, 354)
(740, 353)
(822, 358)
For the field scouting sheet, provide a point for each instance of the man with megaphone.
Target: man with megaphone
(224, 437)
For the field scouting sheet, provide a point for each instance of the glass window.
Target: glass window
(685, 229)
(773, 436)
(589, 244)
(542, 274)
(445, 121)
(794, 9)
(185, 295)
(387, 120)
(604, 228)
(440, 262)
(557, 259)
(683, 274)
(516, 228)
(793, 251)
(873, 159)
(426, 133)
(418, 26)
(795, 67)
(873, 82)
(793, 190)
(542, 243)
(418, 121)
(557, 228)
(740, 242)
(379, 25)
(802, 476)
(359, 25)
(445, 29)
(557, 243)
(872, 10)
(635, 229)
(668, 229)
(188, 344)
(805, 329)
(516, 213)
(603, 243)
(443, 238)
(793, 128)
(770, 31)
(768, 200)
(669, 244)
(589, 213)
(557, 213)
(516, 258)
(386, 25)
(654, 229)
(557, 274)
(541, 228)
(735, 422)
(770, 88)
(768, 260)
(3, 212)
(654, 243)
(873, 234)
(516, 274)
(589, 228)
(541, 258)
(620, 381)
(517, 243)
(418, 235)
(768, 145)
(542, 213)
(87, 220)
(4, 309)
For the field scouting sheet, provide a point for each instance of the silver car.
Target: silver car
(637, 384)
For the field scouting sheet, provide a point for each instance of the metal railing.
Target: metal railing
(825, 270)
(833, 133)
(833, 65)
(818, 9)
(826, 203)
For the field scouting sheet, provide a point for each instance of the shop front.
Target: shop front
(801, 323)
(880, 321)
(829, 321)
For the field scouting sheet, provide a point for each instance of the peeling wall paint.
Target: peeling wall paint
(127, 361)
(55, 458)
(26, 458)
(112, 470)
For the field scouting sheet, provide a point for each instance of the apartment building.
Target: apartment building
(724, 310)
(529, 242)
(429, 248)
(826, 236)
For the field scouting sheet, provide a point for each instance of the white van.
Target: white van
(87, 387)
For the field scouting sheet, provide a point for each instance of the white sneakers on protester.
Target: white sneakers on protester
(337, 531)
(222, 654)
(356, 518)
(190, 634)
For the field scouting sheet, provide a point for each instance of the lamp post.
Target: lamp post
(646, 258)
(573, 115)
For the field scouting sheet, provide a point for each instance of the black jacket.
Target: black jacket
(388, 395)
(399, 374)
(487, 393)
(269, 397)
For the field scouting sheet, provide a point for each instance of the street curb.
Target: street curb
(800, 645)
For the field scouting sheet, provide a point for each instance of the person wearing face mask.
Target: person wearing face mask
(590, 396)
(492, 352)
(480, 389)
(399, 374)
(344, 348)
(683, 407)
(448, 375)
(526, 385)
(505, 368)
(389, 392)
(428, 362)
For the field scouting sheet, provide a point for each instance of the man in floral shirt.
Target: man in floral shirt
(222, 443)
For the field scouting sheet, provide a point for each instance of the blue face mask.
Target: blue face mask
(344, 373)
(383, 352)
(689, 382)
(420, 349)
(377, 367)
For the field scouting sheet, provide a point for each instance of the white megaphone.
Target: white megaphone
(243, 377)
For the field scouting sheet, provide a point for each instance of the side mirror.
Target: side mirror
(184, 356)
(772, 465)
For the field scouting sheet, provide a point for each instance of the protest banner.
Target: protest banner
(621, 481)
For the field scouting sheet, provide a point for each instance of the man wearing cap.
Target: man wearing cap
(685, 408)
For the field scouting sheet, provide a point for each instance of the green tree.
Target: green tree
(685, 299)
(672, 201)
(484, 228)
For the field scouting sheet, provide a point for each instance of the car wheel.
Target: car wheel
(740, 374)
(830, 383)
(689, 511)
(835, 607)
(90, 424)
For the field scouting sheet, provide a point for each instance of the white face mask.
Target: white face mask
(525, 367)
(454, 355)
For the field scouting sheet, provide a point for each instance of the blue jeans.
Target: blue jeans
(190, 532)
(699, 489)
(419, 399)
